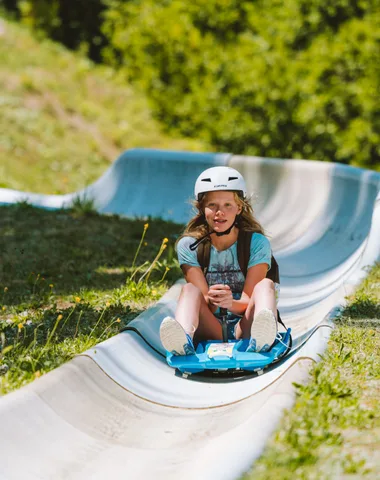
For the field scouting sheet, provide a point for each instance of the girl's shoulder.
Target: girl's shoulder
(260, 250)
(260, 243)
(185, 255)
(259, 238)
(185, 242)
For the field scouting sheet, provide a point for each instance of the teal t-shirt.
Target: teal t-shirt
(224, 266)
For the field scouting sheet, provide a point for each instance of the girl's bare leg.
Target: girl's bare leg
(194, 315)
(263, 296)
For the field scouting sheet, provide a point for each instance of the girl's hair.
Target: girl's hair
(198, 227)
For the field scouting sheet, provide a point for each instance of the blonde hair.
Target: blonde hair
(198, 227)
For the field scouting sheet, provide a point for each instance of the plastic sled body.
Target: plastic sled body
(216, 355)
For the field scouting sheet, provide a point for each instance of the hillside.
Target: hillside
(63, 119)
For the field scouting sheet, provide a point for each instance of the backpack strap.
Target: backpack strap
(203, 255)
(280, 320)
(243, 252)
(274, 273)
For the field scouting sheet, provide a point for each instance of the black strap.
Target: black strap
(280, 321)
(244, 250)
(201, 240)
(206, 237)
(203, 255)
(274, 272)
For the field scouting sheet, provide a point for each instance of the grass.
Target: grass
(63, 119)
(333, 431)
(72, 278)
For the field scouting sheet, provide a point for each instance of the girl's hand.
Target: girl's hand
(221, 296)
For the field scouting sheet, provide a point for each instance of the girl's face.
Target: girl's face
(220, 210)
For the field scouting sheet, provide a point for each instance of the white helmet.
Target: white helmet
(220, 178)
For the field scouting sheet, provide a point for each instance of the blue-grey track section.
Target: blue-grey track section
(141, 182)
(118, 410)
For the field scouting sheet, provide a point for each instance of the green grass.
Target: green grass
(333, 431)
(70, 279)
(63, 120)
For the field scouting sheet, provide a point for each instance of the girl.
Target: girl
(220, 199)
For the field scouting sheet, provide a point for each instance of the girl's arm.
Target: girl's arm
(254, 275)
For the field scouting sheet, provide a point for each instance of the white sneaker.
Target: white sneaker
(174, 338)
(263, 331)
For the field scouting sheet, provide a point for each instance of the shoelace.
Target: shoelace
(279, 338)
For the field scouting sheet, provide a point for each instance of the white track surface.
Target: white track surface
(119, 411)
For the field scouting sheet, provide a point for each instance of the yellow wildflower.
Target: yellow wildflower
(51, 285)
(108, 304)
(59, 318)
(37, 374)
(118, 320)
(4, 308)
(20, 326)
(165, 240)
(167, 269)
(77, 299)
(146, 225)
(154, 292)
(5, 289)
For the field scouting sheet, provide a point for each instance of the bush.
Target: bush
(280, 79)
(75, 23)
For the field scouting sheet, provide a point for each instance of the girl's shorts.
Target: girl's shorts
(233, 319)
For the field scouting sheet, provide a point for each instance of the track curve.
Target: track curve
(118, 410)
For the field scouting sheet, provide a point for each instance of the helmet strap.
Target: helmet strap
(226, 232)
(194, 245)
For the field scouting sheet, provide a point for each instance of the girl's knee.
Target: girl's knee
(190, 289)
(264, 285)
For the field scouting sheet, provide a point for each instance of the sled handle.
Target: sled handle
(223, 312)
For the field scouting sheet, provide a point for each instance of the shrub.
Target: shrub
(280, 79)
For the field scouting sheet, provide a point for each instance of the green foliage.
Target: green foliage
(280, 79)
(83, 206)
(40, 14)
(10, 6)
(75, 23)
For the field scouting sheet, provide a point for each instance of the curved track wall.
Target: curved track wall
(119, 410)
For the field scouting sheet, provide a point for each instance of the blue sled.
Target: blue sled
(219, 356)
